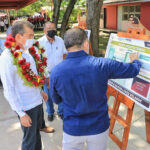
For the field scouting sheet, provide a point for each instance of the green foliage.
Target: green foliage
(36, 7)
(31, 9)
(80, 5)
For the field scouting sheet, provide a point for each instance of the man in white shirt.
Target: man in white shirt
(6, 22)
(2, 25)
(24, 100)
(56, 51)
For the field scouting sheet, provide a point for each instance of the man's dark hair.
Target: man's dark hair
(19, 27)
(48, 22)
(75, 37)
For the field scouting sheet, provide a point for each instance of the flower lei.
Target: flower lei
(23, 68)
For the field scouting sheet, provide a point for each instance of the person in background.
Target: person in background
(136, 23)
(80, 83)
(2, 25)
(56, 52)
(6, 22)
(10, 27)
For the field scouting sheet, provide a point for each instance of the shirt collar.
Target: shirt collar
(76, 54)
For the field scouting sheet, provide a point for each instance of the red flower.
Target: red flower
(17, 47)
(42, 82)
(32, 48)
(37, 57)
(21, 62)
(41, 70)
(39, 65)
(44, 77)
(37, 76)
(33, 51)
(27, 65)
(42, 50)
(35, 83)
(24, 67)
(12, 51)
(24, 60)
(10, 38)
(7, 44)
(27, 76)
(24, 72)
(44, 63)
(37, 43)
(16, 54)
(45, 59)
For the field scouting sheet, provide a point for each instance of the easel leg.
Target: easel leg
(147, 125)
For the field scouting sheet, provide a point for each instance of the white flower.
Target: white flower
(46, 72)
(41, 47)
(21, 58)
(45, 55)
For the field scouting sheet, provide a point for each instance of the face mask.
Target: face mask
(51, 33)
(28, 44)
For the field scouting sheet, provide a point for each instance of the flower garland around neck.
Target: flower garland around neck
(23, 68)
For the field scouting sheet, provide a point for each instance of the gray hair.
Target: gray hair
(75, 37)
(19, 27)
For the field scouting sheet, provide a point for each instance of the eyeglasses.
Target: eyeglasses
(28, 35)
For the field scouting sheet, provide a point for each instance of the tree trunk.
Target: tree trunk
(93, 23)
(57, 4)
(66, 17)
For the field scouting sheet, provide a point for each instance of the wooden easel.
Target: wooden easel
(121, 98)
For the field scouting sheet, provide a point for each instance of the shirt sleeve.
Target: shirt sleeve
(53, 91)
(117, 69)
(7, 77)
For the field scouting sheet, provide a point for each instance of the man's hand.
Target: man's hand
(134, 56)
(47, 82)
(64, 56)
(45, 96)
(26, 121)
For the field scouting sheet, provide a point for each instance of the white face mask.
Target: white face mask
(28, 44)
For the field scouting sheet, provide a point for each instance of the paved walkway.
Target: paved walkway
(10, 131)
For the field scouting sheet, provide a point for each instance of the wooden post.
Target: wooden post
(8, 17)
(147, 124)
(82, 25)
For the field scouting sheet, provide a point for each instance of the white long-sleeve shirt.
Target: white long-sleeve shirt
(9, 30)
(54, 51)
(20, 97)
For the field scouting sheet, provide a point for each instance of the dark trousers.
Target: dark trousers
(50, 105)
(7, 25)
(2, 28)
(32, 137)
(0, 83)
(43, 121)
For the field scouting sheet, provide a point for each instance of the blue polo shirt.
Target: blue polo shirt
(80, 82)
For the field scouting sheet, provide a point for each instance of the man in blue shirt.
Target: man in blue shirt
(80, 83)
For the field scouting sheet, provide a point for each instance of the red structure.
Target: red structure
(116, 13)
(15, 4)
(111, 17)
